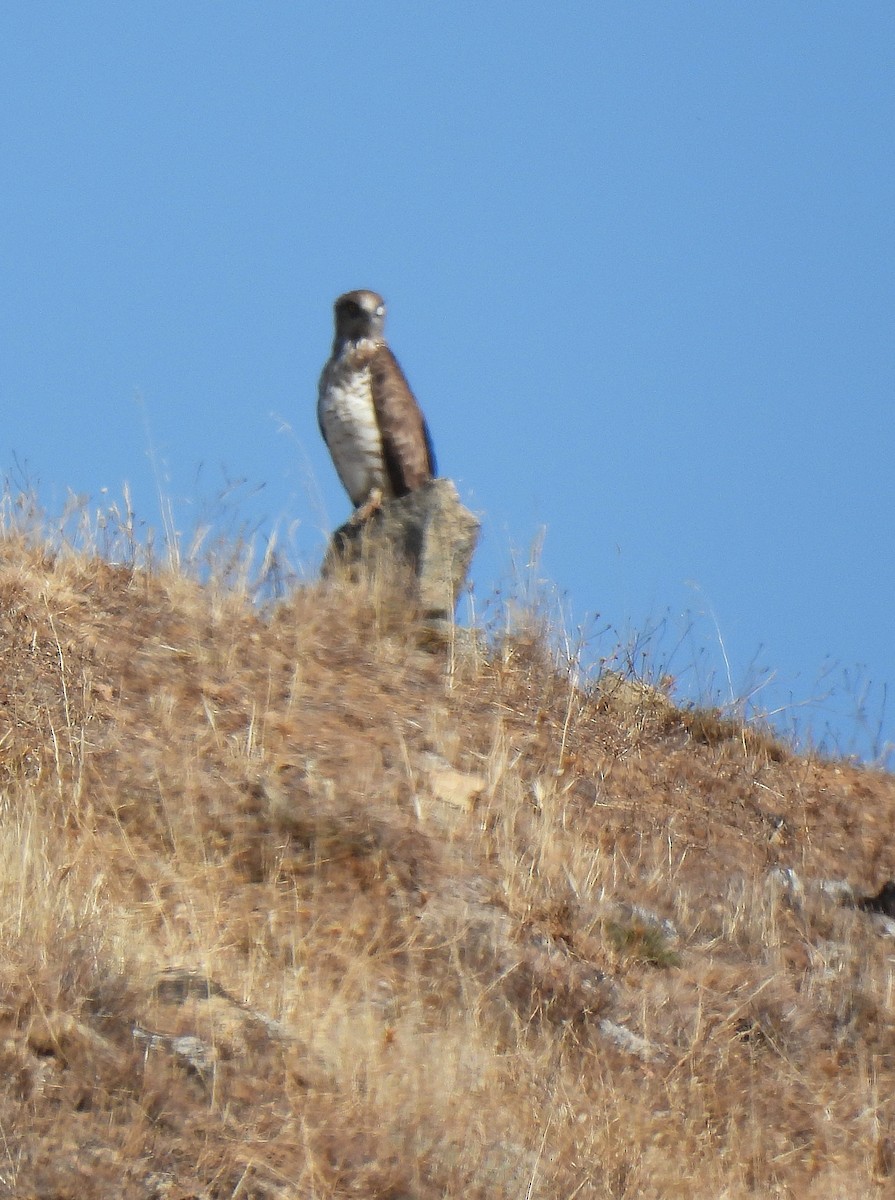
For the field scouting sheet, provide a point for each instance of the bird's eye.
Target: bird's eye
(352, 308)
(380, 310)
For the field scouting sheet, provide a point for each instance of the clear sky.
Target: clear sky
(640, 267)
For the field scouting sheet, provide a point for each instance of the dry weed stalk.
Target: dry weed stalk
(292, 905)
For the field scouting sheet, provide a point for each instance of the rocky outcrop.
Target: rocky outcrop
(424, 541)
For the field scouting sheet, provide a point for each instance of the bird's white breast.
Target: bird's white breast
(348, 420)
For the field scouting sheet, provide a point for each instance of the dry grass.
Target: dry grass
(292, 905)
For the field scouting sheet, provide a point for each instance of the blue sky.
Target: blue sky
(639, 266)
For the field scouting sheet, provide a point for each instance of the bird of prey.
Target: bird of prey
(369, 418)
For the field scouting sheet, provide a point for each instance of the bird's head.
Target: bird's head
(359, 316)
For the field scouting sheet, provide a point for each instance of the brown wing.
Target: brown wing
(406, 443)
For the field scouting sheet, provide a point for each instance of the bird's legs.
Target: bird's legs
(371, 505)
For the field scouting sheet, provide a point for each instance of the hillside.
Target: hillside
(293, 905)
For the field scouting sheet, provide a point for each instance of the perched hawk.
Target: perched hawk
(373, 426)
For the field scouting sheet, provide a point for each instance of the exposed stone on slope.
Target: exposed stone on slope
(425, 539)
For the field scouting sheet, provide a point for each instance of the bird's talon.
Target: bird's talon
(371, 505)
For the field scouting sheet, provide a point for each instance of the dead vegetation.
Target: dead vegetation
(292, 905)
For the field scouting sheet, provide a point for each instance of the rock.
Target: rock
(427, 534)
(198, 1056)
(786, 882)
(631, 1043)
(190, 1018)
(627, 914)
(839, 890)
(884, 925)
(631, 698)
(68, 1039)
(459, 789)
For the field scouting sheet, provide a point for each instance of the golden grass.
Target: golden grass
(295, 905)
